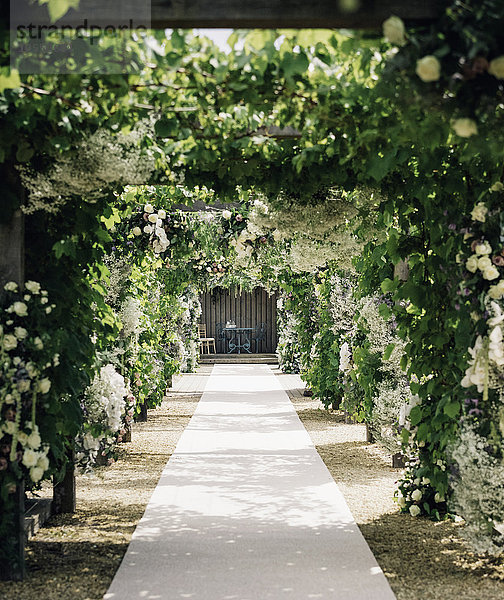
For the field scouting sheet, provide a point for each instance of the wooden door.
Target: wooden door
(246, 309)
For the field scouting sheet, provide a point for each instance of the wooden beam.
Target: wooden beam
(237, 14)
(325, 14)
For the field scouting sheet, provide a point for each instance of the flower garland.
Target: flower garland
(27, 357)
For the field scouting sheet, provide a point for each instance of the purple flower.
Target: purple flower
(498, 260)
(452, 226)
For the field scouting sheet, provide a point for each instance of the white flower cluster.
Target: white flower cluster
(345, 358)
(154, 229)
(342, 304)
(478, 491)
(481, 261)
(485, 368)
(105, 158)
(119, 272)
(130, 316)
(23, 377)
(104, 400)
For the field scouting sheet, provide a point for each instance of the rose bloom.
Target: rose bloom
(10, 342)
(472, 263)
(36, 474)
(226, 214)
(20, 333)
(465, 127)
(483, 248)
(23, 385)
(416, 495)
(30, 458)
(20, 309)
(490, 273)
(498, 260)
(162, 214)
(33, 287)
(414, 510)
(148, 208)
(147, 229)
(34, 440)
(484, 263)
(494, 292)
(393, 31)
(38, 343)
(11, 286)
(153, 218)
(496, 67)
(428, 68)
(137, 231)
(44, 385)
(479, 212)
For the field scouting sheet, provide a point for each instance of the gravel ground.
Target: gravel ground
(75, 556)
(422, 560)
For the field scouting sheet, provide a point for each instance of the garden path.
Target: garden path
(246, 510)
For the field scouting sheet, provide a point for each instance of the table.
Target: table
(239, 338)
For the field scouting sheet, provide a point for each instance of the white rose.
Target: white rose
(401, 501)
(44, 300)
(414, 510)
(38, 343)
(428, 68)
(497, 187)
(277, 235)
(465, 127)
(482, 249)
(27, 297)
(472, 263)
(137, 231)
(494, 292)
(162, 214)
(393, 31)
(20, 333)
(10, 342)
(226, 214)
(479, 212)
(438, 498)
(23, 385)
(9, 427)
(425, 481)
(148, 229)
(496, 67)
(48, 310)
(43, 463)
(500, 286)
(11, 286)
(416, 495)
(44, 385)
(30, 458)
(148, 208)
(34, 440)
(153, 218)
(490, 273)
(36, 474)
(33, 287)
(20, 309)
(22, 438)
(484, 263)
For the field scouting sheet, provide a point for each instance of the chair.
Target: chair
(205, 342)
(259, 335)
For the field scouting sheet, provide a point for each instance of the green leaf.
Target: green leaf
(384, 311)
(59, 8)
(166, 127)
(294, 64)
(9, 79)
(389, 285)
(388, 351)
(452, 409)
(415, 415)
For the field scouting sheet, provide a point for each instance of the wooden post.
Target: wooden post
(12, 267)
(12, 250)
(141, 417)
(13, 545)
(64, 491)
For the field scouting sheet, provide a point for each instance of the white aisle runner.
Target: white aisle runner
(246, 510)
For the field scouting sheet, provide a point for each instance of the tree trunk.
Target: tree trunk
(12, 568)
(64, 491)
